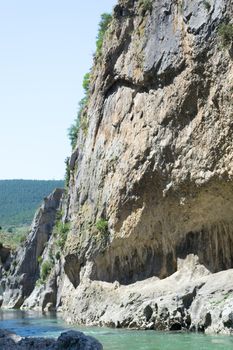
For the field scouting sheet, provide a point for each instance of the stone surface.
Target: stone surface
(156, 165)
(192, 298)
(157, 159)
(71, 340)
(24, 270)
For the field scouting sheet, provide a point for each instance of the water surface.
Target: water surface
(33, 324)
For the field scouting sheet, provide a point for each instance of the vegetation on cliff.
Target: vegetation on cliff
(81, 121)
(14, 238)
(105, 21)
(226, 34)
(102, 226)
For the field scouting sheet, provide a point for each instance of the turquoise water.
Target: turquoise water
(32, 324)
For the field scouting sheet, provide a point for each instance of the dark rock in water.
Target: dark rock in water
(8, 340)
(71, 340)
(77, 340)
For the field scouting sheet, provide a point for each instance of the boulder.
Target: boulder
(71, 340)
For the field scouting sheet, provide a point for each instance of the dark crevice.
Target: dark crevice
(72, 268)
(175, 327)
(129, 267)
(208, 320)
(151, 82)
(119, 83)
(188, 298)
(214, 257)
(148, 313)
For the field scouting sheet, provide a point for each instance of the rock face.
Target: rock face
(192, 298)
(69, 340)
(156, 163)
(24, 266)
(151, 177)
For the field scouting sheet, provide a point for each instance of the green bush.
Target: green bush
(226, 33)
(74, 128)
(46, 267)
(81, 120)
(104, 23)
(39, 259)
(23, 238)
(61, 232)
(39, 282)
(63, 227)
(102, 226)
(73, 133)
(59, 215)
(67, 174)
(86, 83)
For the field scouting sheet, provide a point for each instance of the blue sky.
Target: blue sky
(46, 47)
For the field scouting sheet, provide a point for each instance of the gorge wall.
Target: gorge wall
(151, 176)
(156, 162)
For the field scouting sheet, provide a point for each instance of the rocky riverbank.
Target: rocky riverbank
(190, 299)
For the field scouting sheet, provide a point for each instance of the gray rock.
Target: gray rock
(71, 340)
(25, 266)
(76, 340)
(190, 299)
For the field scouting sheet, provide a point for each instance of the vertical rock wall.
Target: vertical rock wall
(24, 266)
(156, 163)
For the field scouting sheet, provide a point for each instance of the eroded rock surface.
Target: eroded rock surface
(192, 299)
(24, 266)
(157, 160)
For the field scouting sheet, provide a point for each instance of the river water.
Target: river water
(33, 324)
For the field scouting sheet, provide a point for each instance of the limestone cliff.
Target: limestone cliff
(151, 176)
(156, 162)
(21, 271)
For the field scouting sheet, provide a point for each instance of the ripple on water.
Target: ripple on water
(34, 324)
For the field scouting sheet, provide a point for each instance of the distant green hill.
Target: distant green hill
(19, 199)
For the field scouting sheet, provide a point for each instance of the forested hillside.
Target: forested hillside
(19, 199)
